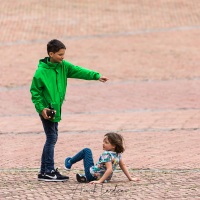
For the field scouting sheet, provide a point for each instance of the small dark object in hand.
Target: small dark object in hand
(51, 113)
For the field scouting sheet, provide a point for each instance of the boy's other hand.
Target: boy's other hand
(103, 79)
(44, 113)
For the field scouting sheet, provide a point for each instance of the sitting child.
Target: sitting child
(113, 147)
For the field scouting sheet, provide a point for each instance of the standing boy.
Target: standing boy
(48, 90)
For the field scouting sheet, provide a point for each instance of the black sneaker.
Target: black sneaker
(55, 176)
(81, 178)
(40, 176)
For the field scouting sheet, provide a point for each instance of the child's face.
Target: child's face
(107, 146)
(57, 57)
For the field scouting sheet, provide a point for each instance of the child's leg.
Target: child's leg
(86, 156)
(51, 131)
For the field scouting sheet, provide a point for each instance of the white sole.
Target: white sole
(52, 180)
(67, 169)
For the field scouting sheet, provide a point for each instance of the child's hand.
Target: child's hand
(103, 79)
(134, 179)
(95, 182)
(44, 113)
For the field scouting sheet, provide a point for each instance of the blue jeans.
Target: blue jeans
(86, 156)
(51, 131)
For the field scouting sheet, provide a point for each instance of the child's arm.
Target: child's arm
(126, 172)
(106, 174)
(83, 73)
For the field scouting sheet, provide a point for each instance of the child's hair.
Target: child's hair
(54, 46)
(117, 140)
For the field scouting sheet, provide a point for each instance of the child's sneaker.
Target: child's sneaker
(68, 165)
(81, 178)
(40, 176)
(54, 175)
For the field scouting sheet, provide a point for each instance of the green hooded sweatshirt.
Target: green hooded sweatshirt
(50, 81)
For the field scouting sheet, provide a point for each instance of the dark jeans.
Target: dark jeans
(51, 131)
(86, 156)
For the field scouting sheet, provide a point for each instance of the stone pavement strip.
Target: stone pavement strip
(154, 184)
(166, 163)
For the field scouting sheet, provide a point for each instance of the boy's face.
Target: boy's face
(57, 57)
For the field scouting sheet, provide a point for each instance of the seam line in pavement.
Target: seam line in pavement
(138, 170)
(27, 87)
(108, 112)
(150, 130)
(128, 33)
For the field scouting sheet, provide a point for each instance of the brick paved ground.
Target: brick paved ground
(150, 52)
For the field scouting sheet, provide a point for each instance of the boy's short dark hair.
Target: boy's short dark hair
(54, 46)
